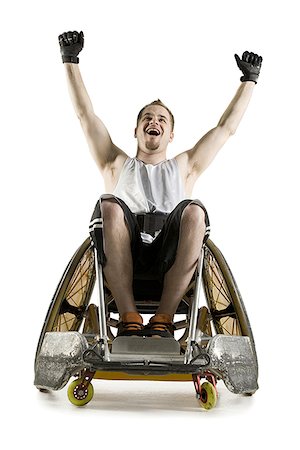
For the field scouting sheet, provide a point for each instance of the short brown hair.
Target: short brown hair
(159, 103)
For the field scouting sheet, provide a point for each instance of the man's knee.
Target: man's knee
(111, 210)
(194, 216)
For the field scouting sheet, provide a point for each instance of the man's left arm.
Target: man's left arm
(205, 150)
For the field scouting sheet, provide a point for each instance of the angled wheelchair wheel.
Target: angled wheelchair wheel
(67, 308)
(80, 393)
(223, 298)
(208, 395)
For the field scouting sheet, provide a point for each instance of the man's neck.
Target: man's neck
(153, 158)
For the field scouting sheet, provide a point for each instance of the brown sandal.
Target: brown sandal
(131, 324)
(161, 325)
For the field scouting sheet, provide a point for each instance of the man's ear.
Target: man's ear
(171, 136)
(135, 132)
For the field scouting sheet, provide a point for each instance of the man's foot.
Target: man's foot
(160, 325)
(131, 324)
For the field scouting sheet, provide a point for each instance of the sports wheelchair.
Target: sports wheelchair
(211, 343)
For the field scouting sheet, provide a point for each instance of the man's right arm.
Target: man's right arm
(102, 148)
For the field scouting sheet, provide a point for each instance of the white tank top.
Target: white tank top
(147, 188)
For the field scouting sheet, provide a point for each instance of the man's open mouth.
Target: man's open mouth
(153, 132)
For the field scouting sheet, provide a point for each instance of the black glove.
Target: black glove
(71, 44)
(250, 65)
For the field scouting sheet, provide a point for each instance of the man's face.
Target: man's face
(154, 129)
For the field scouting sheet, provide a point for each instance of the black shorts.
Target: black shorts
(154, 259)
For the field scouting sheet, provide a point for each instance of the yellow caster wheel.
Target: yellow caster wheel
(208, 395)
(79, 393)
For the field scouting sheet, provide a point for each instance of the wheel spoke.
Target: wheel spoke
(83, 271)
(220, 286)
(72, 307)
(224, 300)
(219, 297)
(229, 326)
(72, 298)
(64, 323)
(216, 280)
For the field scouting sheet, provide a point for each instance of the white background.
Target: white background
(135, 52)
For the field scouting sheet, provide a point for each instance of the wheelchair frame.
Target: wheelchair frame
(76, 337)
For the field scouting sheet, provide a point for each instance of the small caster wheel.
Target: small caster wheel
(79, 393)
(208, 395)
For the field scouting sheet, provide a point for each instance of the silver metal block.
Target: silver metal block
(234, 359)
(60, 358)
(138, 345)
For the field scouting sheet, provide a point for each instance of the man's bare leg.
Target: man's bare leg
(192, 231)
(118, 269)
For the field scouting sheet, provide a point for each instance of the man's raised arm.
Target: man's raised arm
(201, 155)
(98, 138)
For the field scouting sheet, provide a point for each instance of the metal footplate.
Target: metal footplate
(136, 345)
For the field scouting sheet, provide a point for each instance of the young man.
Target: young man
(150, 225)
